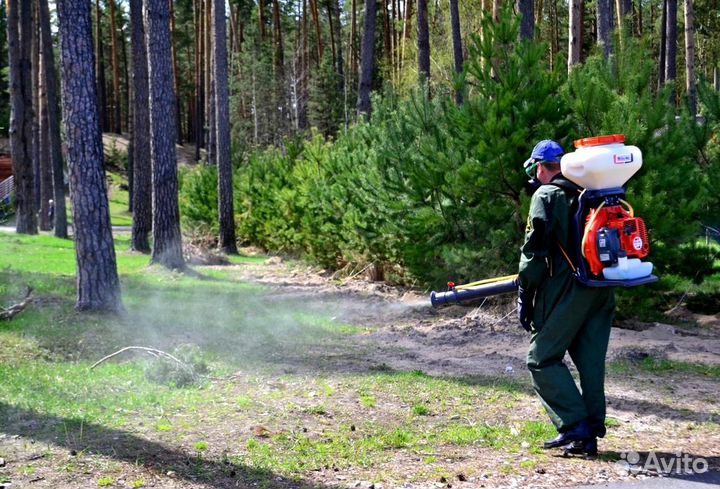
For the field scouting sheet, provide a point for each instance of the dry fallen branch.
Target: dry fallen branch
(152, 351)
(14, 310)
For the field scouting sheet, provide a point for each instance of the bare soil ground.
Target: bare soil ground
(660, 412)
(120, 142)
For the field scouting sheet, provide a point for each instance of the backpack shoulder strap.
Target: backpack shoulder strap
(566, 185)
(572, 191)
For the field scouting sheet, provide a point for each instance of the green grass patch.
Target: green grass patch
(482, 435)
(244, 402)
(298, 453)
(118, 201)
(319, 410)
(661, 366)
(210, 319)
(611, 422)
(420, 410)
(48, 256)
(242, 259)
(110, 395)
(323, 325)
(368, 401)
(105, 481)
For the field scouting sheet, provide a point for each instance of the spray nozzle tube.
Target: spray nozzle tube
(458, 294)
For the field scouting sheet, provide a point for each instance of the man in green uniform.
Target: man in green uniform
(562, 314)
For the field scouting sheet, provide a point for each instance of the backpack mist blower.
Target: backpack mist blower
(610, 242)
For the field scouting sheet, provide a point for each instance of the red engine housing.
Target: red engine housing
(609, 230)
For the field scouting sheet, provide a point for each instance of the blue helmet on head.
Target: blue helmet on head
(546, 151)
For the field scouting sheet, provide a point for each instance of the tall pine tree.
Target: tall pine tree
(98, 287)
(167, 249)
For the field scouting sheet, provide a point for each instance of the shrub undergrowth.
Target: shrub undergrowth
(432, 191)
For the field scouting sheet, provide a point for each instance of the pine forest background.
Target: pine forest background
(391, 133)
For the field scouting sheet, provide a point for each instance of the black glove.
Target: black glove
(525, 308)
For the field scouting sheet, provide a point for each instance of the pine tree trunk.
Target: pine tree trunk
(127, 112)
(4, 93)
(555, 44)
(43, 141)
(279, 52)
(126, 79)
(304, 70)
(167, 249)
(53, 122)
(407, 29)
(19, 50)
(209, 86)
(176, 73)
(625, 9)
(199, 85)
(100, 69)
(386, 35)
(690, 57)
(457, 46)
(604, 26)
(236, 37)
(367, 63)
(575, 33)
(212, 132)
(318, 31)
(353, 40)
(539, 9)
(46, 180)
(222, 112)
(35, 80)
(142, 165)
(527, 25)
(117, 121)
(393, 39)
(671, 44)
(423, 42)
(130, 165)
(190, 100)
(331, 30)
(337, 27)
(261, 17)
(663, 46)
(497, 7)
(98, 287)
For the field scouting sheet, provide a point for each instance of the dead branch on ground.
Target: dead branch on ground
(6, 314)
(151, 351)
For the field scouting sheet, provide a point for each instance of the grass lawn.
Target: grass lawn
(279, 392)
(265, 362)
(117, 199)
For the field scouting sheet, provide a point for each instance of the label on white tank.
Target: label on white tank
(623, 159)
(637, 243)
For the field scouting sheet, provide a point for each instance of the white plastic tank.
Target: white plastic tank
(601, 162)
(627, 269)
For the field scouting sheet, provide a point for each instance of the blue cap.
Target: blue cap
(548, 151)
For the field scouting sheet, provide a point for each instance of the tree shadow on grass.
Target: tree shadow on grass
(661, 410)
(133, 449)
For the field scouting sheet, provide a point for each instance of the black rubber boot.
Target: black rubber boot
(579, 432)
(587, 448)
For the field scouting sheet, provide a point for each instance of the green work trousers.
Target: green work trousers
(570, 317)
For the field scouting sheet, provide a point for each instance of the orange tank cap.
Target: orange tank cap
(600, 140)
